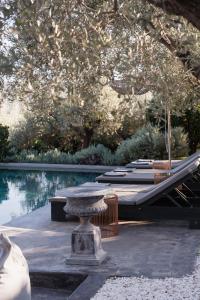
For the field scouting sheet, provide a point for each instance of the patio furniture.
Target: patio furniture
(177, 197)
(151, 163)
(159, 177)
(129, 178)
(108, 220)
(146, 176)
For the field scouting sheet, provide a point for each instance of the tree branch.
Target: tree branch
(184, 55)
(188, 9)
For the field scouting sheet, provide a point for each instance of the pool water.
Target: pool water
(24, 191)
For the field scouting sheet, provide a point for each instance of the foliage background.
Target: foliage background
(80, 68)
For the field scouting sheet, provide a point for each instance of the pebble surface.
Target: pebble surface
(142, 288)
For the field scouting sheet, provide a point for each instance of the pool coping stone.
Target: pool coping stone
(57, 167)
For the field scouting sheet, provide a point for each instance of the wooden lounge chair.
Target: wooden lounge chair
(144, 176)
(149, 163)
(145, 164)
(178, 197)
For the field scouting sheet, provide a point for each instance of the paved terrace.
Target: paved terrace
(155, 250)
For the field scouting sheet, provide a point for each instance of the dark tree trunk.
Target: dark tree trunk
(88, 133)
(189, 9)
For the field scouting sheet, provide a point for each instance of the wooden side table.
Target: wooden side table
(108, 220)
(159, 177)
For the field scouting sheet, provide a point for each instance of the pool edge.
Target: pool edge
(56, 167)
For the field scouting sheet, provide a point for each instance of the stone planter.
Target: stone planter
(86, 248)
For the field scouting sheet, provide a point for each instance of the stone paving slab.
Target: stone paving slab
(154, 250)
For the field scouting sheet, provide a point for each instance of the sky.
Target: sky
(10, 113)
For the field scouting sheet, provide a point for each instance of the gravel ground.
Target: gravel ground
(141, 288)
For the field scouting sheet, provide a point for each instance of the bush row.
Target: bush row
(93, 155)
(148, 142)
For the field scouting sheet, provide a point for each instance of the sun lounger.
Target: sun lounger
(128, 178)
(178, 197)
(146, 176)
(173, 198)
(149, 163)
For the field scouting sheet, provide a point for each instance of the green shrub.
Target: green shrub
(55, 156)
(144, 144)
(149, 142)
(190, 121)
(94, 155)
(51, 156)
(179, 142)
(4, 144)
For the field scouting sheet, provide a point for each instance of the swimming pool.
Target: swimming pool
(24, 191)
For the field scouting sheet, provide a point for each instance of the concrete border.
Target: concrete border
(79, 285)
(90, 286)
(57, 167)
(66, 282)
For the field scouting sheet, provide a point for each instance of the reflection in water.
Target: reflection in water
(3, 188)
(24, 191)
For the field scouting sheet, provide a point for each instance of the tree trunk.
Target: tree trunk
(88, 133)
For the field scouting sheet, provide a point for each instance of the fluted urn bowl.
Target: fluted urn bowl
(83, 202)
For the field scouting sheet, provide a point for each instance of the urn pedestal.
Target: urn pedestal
(86, 247)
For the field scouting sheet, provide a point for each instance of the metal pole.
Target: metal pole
(169, 135)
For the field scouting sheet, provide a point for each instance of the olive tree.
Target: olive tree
(70, 50)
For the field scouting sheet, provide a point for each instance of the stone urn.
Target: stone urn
(86, 248)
